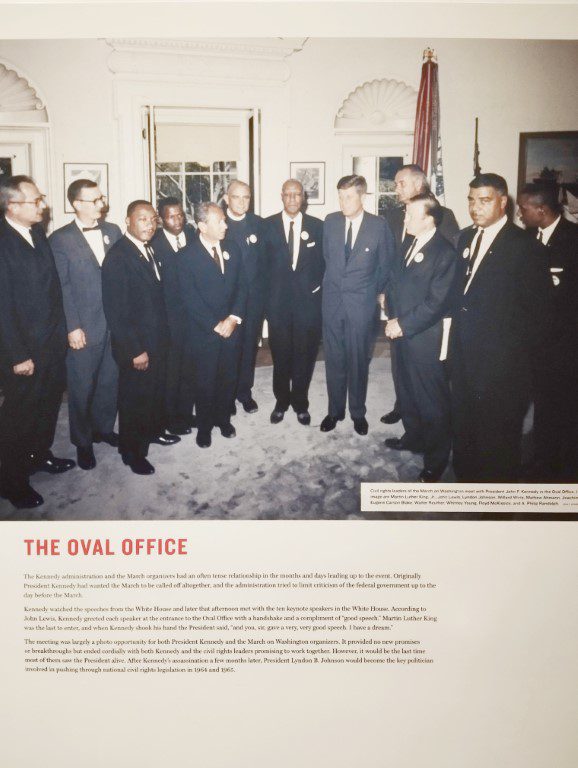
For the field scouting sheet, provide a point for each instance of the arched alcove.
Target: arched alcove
(378, 106)
(19, 102)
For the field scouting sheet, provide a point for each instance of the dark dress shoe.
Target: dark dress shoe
(49, 463)
(165, 439)
(427, 476)
(138, 464)
(22, 498)
(110, 438)
(391, 418)
(85, 458)
(228, 430)
(179, 429)
(304, 418)
(360, 425)
(330, 422)
(401, 444)
(277, 416)
(203, 440)
(250, 406)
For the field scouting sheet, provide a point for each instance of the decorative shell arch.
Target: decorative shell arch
(379, 106)
(19, 102)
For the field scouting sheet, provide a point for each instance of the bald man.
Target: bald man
(246, 229)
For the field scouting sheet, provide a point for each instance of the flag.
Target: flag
(427, 145)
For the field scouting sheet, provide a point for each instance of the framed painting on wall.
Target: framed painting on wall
(551, 158)
(97, 172)
(312, 176)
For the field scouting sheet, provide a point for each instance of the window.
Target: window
(194, 182)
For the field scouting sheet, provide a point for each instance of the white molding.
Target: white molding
(378, 107)
(20, 103)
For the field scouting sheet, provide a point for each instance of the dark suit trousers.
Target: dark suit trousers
(180, 389)
(92, 392)
(216, 366)
(294, 342)
(250, 330)
(487, 431)
(347, 348)
(28, 418)
(141, 405)
(424, 403)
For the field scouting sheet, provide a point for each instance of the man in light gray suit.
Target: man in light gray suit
(359, 253)
(79, 249)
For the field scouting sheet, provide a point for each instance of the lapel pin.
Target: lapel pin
(304, 235)
(252, 238)
(466, 253)
(418, 257)
(106, 239)
(225, 255)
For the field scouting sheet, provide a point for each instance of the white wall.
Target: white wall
(512, 86)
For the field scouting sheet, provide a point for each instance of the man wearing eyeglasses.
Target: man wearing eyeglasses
(32, 344)
(79, 249)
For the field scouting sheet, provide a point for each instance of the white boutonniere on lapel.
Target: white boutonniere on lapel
(106, 239)
(304, 235)
(466, 253)
(418, 257)
(225, 256)
(252, 239)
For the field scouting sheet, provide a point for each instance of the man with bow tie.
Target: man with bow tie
(174, 236)
(556, 368)
(134, 306)
(421, 295)
(213, 298)
(92, 375)
(32, 344)
(294, 245)
(246, 229)
(499, 321)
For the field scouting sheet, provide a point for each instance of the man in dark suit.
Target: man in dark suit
(498, 322)
(174, 236)
(246, 229)
(79, 249)
(423, 287)
(213, 297)
(134, 306)
(294, 243)
(556, 365)
(32, 344)
(359, 253)
(410, 181)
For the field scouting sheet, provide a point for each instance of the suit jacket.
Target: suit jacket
(171, 288)
(300, 289)
(448, 227)
(32, 324)
(207, 295)
(500, 321)
(133, 303)
(249, 235)
(562, 257)
(422, 295)
(80, 277)
(353, 287)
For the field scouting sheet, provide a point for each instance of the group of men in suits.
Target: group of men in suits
(163, 320)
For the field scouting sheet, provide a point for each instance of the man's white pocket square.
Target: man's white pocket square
(310, 245)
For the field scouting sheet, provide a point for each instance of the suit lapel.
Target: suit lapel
(81, 243)
(489, 257)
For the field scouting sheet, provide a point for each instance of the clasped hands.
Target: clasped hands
(393, 329)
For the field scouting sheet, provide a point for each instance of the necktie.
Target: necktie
(290, 243)
(539, 236)
(410, 251)
(151, 261)
(216, 258)
(474, 255)
(348, 242)
(179, 243)
(90, 229)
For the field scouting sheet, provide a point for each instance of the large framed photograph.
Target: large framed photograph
(312, 176)
(551, 158)
(97, 172)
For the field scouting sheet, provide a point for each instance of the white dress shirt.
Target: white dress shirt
(94, 240)
(173, 240)
(490, 234)
(24, 231)
(547, 232)
(356, 223)
(141, 246)
(297, 224)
